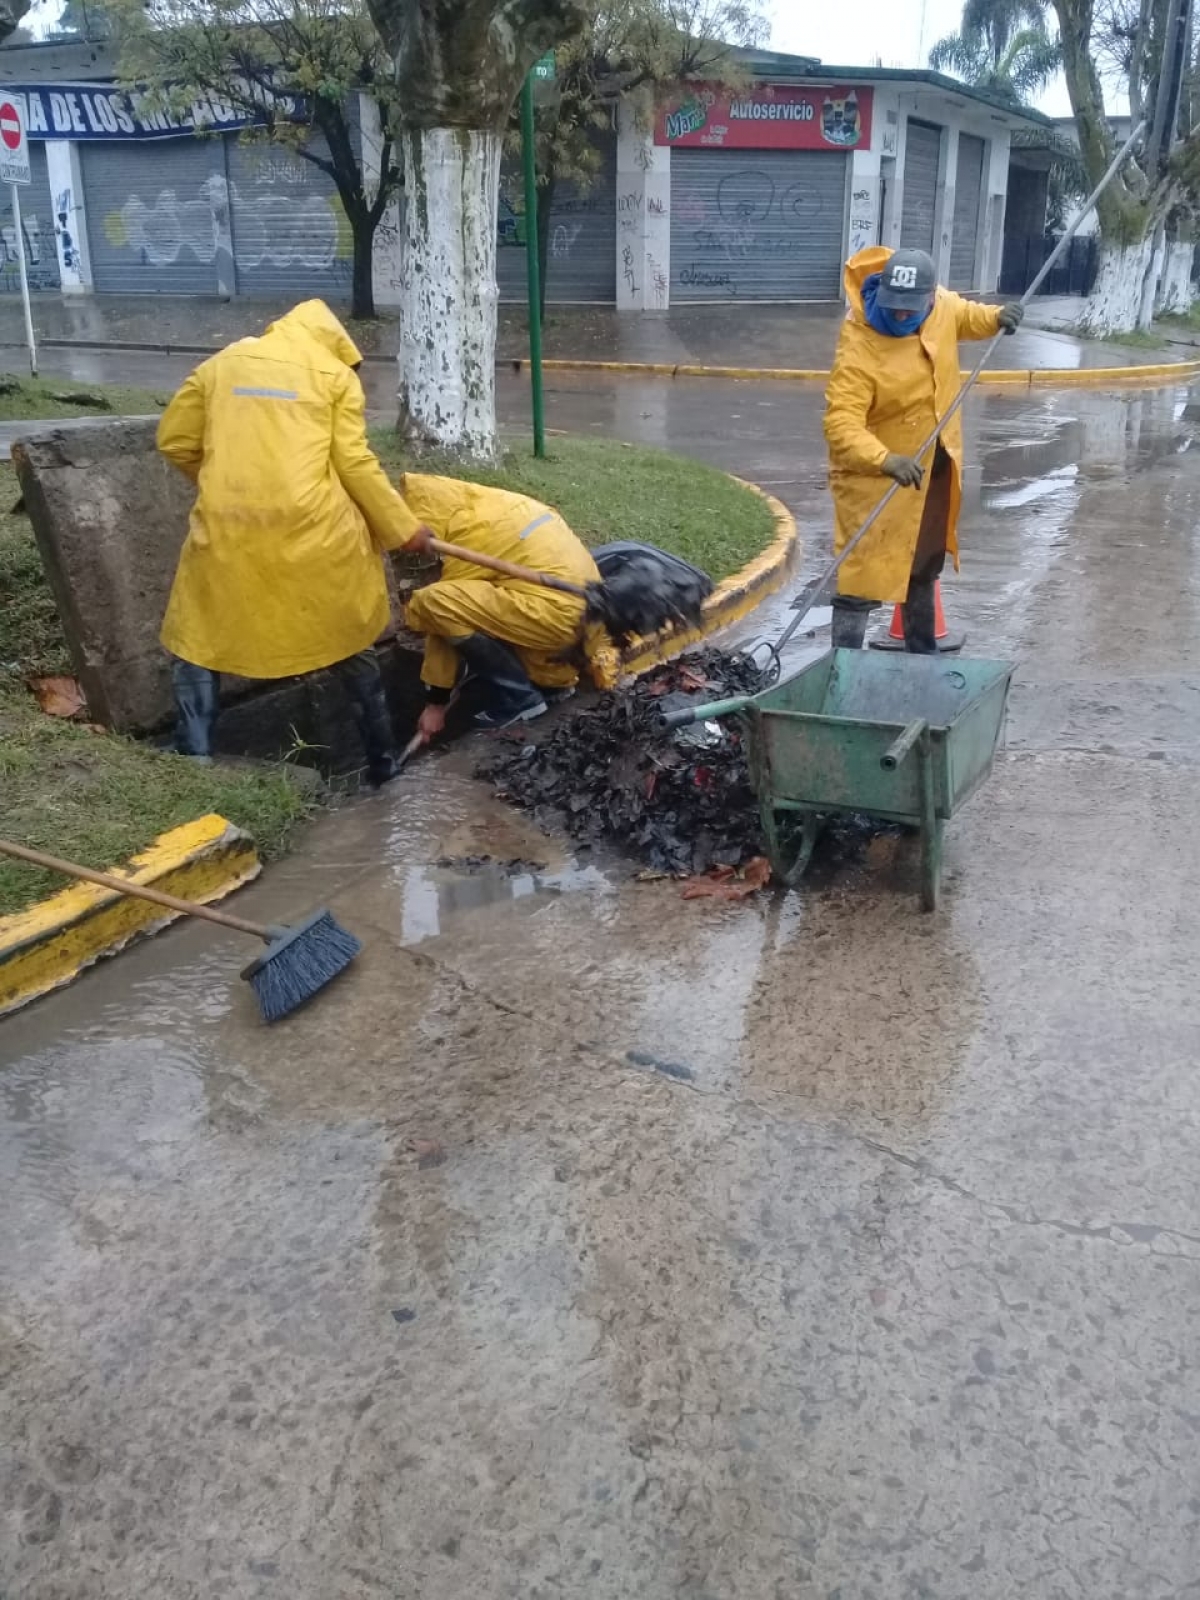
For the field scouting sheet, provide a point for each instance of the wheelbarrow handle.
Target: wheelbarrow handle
(714, 708)
(899, 748)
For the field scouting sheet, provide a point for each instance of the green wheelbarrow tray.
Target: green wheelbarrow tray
(905, 739)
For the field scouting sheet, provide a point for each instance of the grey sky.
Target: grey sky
(856, 32)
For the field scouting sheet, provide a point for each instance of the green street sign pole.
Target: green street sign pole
(529, 157)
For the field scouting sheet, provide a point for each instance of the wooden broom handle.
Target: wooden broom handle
(137, 891)
(508, 568)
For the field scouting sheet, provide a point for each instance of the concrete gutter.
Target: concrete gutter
(55, 940)
(52, 942)
(1025, 377)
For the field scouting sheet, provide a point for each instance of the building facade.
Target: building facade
(755, 195)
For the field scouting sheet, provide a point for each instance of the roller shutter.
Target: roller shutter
(149, 220)
(968, 189)
(581, 264)
(290, 233)
(37, 224)
(922, 155)
(757, 224)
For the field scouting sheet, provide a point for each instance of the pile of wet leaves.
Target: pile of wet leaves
(681, 803)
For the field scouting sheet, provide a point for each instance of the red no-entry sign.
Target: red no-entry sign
(10, 125)
(14, 150)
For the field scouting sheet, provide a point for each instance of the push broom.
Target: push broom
(297, 963)
(811, 593)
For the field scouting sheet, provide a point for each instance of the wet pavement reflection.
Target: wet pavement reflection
(581, 1239)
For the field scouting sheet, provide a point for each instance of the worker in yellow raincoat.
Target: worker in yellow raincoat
(282, 571)
(895, 375)
(522, 642)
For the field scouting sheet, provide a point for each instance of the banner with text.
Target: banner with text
(99, 111)
(834, 118)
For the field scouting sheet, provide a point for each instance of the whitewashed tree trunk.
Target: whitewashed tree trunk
(449, 296)
(1115, 304)
(1175, 291)
(1158, 250)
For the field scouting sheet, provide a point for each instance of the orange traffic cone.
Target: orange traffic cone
(946, 641)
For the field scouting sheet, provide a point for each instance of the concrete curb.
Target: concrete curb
(53, 941)
(733, 598)
(1030, 377)
(1027, 377)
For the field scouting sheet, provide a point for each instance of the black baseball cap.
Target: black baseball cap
(907, 281)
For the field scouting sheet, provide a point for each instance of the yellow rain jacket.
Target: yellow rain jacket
(282, 570)
(886, 396)
(467, 599)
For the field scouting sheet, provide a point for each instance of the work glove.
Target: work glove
(907, 471)
(1011, 316)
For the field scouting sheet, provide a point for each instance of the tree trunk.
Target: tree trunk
(1158, 250)
(1115, 304)
(448, 310)
(545, 202)
(1121, 300)
(362, 281)
(1175, 290)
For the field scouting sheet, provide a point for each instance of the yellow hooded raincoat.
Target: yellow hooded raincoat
(282, 570)
(539, 623)
(886, 396)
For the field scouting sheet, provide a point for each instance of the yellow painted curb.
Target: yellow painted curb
(51, 943)
(733, 598)
(1029, 377)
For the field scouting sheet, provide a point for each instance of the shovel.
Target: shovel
(648, 597)
(820, 587)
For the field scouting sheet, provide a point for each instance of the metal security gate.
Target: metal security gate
(290, 232)
(149, 219)
(37, 226)
(968, 190)
(757, 224)
(922, 157)
(581, 260)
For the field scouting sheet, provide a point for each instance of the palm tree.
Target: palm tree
(1001, 45)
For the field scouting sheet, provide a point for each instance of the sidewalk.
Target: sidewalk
(713, 335)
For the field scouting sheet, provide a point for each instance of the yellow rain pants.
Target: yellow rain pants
(540, 624)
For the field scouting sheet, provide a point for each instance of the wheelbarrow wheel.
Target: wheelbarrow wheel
(788, 854)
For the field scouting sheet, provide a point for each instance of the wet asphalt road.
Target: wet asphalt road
(587, 1241)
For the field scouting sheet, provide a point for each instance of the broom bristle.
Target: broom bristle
(300, 963)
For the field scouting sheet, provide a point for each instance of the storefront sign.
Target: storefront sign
(81, 111)
(833, 118)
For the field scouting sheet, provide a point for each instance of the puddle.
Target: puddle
(435, 897)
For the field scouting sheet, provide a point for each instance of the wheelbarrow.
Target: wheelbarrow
(905, 739)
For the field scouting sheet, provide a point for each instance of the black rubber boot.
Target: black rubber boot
(509, 695)
(918, 614)
(363, 683)
(197, 701)
(850, 618)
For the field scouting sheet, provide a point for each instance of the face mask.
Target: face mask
(885, 321)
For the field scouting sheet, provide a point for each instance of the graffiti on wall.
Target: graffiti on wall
(749, 220)
(41, 263)
(64, 203)
(864, 214)
(510, 225)
(269, 229)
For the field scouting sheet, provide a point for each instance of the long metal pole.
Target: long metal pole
(20, 232)
(811, 593)
(529, 157)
